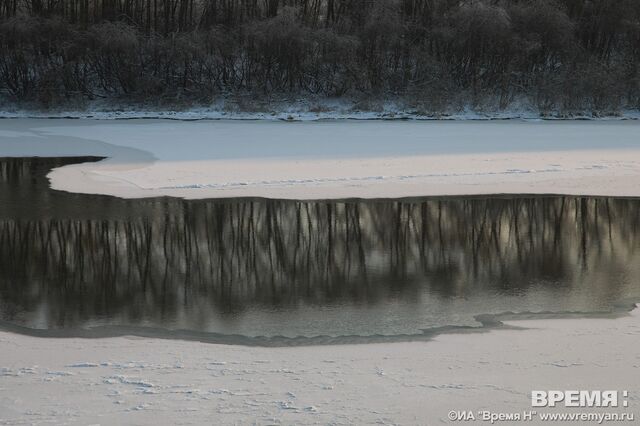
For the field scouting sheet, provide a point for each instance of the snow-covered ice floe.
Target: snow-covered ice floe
(334, 159)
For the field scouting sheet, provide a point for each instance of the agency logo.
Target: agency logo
(600, 407)
(579, 398)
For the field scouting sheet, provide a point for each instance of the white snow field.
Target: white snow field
(334, 159)
(161, 382)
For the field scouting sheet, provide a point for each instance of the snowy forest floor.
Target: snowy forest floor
(304, 110)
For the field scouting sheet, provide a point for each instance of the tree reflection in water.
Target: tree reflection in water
(69, 259)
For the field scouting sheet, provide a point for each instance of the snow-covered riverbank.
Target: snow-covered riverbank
(305, 110)
(153, 381)
(334, 159)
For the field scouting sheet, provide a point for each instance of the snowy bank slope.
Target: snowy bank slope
(334, 159)
(152, 381)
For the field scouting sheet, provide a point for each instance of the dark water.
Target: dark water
(298, 268)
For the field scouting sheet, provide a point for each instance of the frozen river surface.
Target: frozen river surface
(335, 159)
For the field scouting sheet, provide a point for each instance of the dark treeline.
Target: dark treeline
(168, 256)
(434, 55)
(567, 54)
